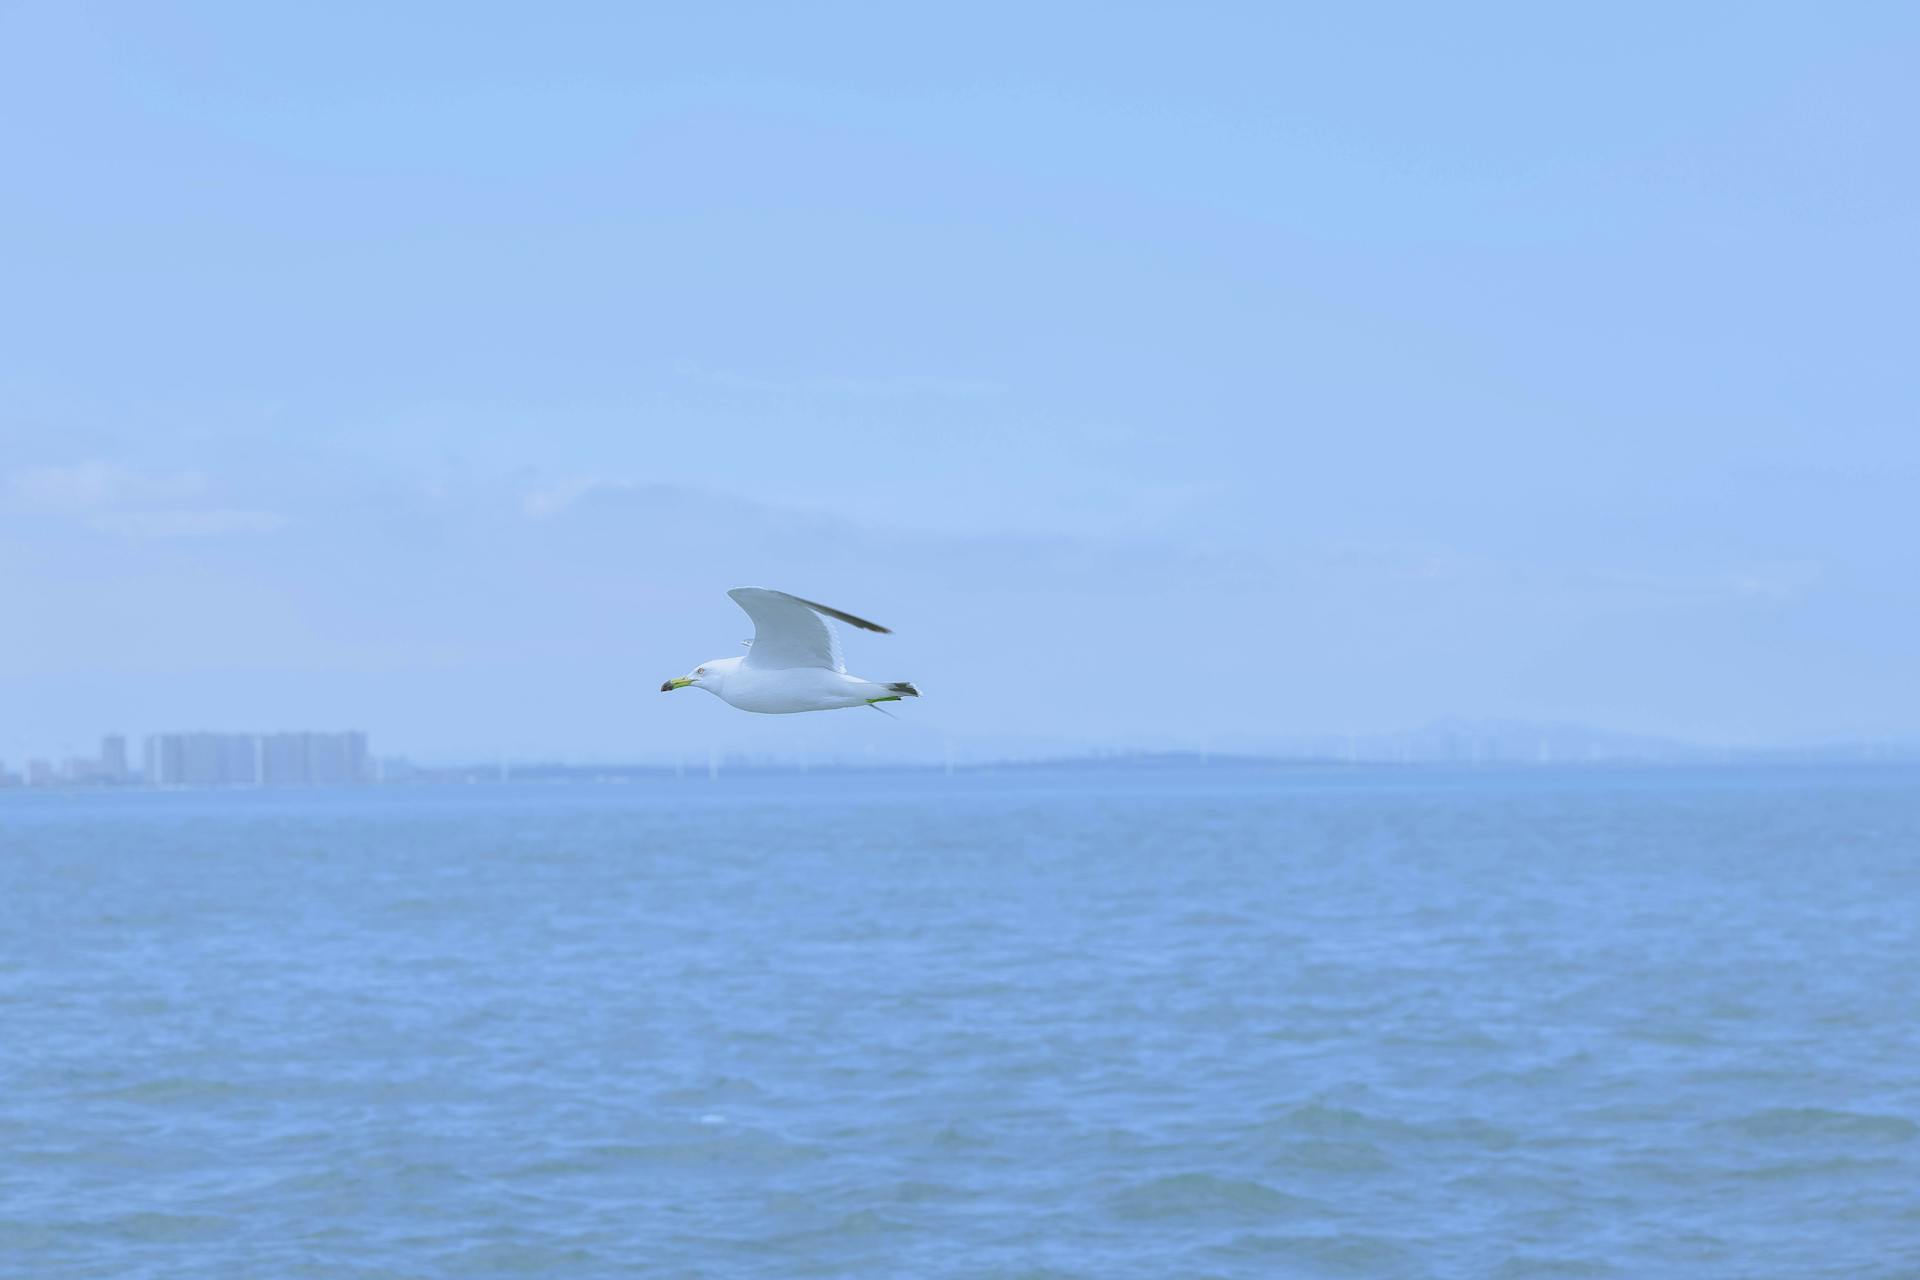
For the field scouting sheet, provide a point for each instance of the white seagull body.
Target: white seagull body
(792, 663)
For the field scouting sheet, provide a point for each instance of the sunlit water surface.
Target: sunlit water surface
(1203, 1022)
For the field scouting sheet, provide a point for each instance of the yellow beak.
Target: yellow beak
(671, 685)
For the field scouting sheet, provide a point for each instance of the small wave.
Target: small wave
(1834, 1167)
(865, 1222)
(731, 1147)
(861, 1224)
(1319, 1155)
(915, 1191)
(1534, 1267)
(1819, 1122)
(1346, 1124)
(1359, 1255)
(723, 1089)
(954, 1137)
(1674, 1035)
(509, 1258)
(1317, 1120)
(1540, 1074)
(17, 1235)
(160, 1228)
(1184, 1195)
(172, 1089)
(1212, 920)
(1443, 1040)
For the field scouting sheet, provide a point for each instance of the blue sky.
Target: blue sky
(1162, 377)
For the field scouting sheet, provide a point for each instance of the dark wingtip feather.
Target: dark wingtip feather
(847, 618)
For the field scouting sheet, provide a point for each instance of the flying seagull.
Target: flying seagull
(793, 661)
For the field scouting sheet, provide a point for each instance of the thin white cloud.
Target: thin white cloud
(97, 486)
(109, 498)
(552, 499)
(188, 523)
(1780, 582)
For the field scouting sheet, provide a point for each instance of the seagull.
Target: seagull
(793, 661)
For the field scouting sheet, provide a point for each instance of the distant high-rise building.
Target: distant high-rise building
(241, 759)
(283, 759)
(113, 758)
(203, 760)
(40, 773)
(338, 759)
(313, 759)
(246, 759)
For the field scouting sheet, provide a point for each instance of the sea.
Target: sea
(1127, 1020)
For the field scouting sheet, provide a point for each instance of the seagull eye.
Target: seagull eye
(699, 671)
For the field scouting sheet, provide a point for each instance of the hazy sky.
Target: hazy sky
(1160, 375)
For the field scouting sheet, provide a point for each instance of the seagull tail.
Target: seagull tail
(904, 688)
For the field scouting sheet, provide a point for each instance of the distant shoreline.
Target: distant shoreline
(553, 772)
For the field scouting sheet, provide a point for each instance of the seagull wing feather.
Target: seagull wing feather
(791, 632)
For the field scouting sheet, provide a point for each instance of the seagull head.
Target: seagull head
(698, 676)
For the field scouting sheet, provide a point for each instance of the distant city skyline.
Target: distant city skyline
(202, 758)
(307, 758)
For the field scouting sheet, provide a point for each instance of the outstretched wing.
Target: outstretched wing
(791, 632)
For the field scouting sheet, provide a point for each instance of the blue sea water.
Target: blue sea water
(1234, 1022)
